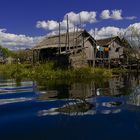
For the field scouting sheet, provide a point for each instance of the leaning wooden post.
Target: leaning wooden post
(33, 57)
(109, 60)
(83, 40)
(94, 58)
(94, 62)
(68, 31)
(59, 39)
(74, 39)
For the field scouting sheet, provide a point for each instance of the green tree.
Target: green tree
(5, 51)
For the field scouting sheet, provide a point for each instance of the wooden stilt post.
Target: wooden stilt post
(59, 39)
(66, 42)
(68, 32)
(33, 57)
(109, 63)
(109, 60)
(38, 55)
(83, 40)
(95, 56)
(74, 39)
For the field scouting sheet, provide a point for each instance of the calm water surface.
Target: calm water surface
(49, 110)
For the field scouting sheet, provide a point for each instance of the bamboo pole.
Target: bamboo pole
(94, 55)
(68, 31)
(66, 41)
(59, 39)
(74, 39)
(33, 57)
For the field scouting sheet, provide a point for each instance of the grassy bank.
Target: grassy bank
(47, 71)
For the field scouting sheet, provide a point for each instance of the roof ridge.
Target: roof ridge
(107, 38)
(51, 36)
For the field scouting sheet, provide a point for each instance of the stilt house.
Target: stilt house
(75, 49)
(112, 50)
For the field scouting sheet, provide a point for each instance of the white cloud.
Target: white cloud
(64, 25)
(49, 25)
(105, 14)
(53, 25)
(83, 17)
(133, 30)
(106, 32)
(135, 25)
(131, 18)
(110, 31)
(3, 30)
(88, 16)
(116, 14)
(13, 41)
(52, 33)
(74, 19)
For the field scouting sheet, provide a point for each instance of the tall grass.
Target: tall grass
(47, 71)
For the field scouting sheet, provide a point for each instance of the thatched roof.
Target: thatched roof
(107, 41)
(75, 39)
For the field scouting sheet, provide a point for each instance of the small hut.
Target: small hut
(75, 49)
(111, 50)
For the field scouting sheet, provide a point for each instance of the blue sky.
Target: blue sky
(20, 17)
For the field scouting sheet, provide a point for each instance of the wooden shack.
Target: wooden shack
(111, 50)
(75, 49)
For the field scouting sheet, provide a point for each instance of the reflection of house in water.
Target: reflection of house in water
(115, 84)
(134, 98)
(90, 98)
(82, 90)
(57, 91)
(84, 100)
(110, 88)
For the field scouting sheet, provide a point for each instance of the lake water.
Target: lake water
(70, 110)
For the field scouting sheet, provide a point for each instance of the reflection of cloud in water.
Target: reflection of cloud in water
(14, 100)
(11, 87)
(51, 111)
(110, 111)
(80, 108)
(54, 111)
(111, 104)
(10, 92)
(47, 95)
